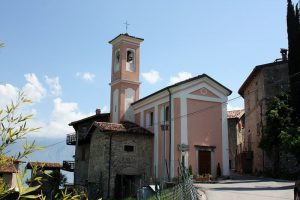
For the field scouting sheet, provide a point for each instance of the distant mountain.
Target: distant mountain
(55, 150)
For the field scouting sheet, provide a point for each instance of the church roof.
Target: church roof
(181, 83)
(126, 35)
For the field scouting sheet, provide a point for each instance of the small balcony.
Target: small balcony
(68, 165)
(71, 139)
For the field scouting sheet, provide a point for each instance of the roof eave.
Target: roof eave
(229, 92)
(127, 36)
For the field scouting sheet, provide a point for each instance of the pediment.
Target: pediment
(204, 92)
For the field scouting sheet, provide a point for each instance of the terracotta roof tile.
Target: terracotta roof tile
(8, 167)
(126, 126)
(44, 165)
(235, 114)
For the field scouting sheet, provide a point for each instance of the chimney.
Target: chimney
(98, 111)
(283, 54)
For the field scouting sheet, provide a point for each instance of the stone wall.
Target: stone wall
(81, 164)
(232, 141)
(268, 82)
(136, 163)
(236, 141)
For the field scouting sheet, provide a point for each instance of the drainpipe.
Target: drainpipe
(170, 130)
(109, 166)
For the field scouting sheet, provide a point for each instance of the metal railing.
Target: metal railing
(71, 139)
(68, 166)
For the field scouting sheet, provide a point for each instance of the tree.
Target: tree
(280, 133)
(293, 30)
(278, 120)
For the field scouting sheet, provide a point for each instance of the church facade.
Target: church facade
(181, 124)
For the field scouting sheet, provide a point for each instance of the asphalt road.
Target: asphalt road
(248, 189)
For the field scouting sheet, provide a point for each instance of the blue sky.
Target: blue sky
(58, 51)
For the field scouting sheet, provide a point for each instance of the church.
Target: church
(147, 140)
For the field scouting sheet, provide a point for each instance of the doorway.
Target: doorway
(204, 162)
(125, 186)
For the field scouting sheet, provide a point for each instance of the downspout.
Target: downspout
(109, 166)
(170, 131)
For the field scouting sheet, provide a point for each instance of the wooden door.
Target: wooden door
(204, 162)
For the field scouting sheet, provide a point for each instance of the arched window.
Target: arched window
(130, 60)
(117, 61)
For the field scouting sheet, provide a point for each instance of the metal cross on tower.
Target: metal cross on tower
(126, 25)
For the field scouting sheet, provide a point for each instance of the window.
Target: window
(117, 61)
(151, 119)
(167, 113)
(130, 59)
(129, 148)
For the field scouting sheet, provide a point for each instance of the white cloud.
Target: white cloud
(87, 76)
(8, 92)
(33, 88)
(54, 126)
(54, 85)
(104, 109)
(180, 77)
(232, 107)
(152, 76)
(63, 113)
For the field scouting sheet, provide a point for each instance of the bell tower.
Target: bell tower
(124, 76)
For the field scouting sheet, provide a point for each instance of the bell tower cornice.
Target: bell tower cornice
(124, 81)
(126, 38)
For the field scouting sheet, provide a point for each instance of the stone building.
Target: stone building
(236, 137)
(144, 140)
(263, 83)
(119, 157)
(9, 168)
(82, 148)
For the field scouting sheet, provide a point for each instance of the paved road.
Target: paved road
(249, 189)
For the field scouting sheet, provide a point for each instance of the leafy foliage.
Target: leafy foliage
(278, 121)
(280, 133)
(13, 128)
(293, 30)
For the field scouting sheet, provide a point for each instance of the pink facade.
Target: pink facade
(198, 121)
(188, 119)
